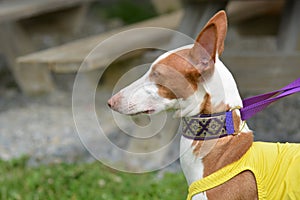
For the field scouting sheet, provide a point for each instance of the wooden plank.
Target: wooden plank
(263, 72)
(34, 79)
(14, 42)
(238, 10)
(243, 10)
(15, 10)
(68, 57)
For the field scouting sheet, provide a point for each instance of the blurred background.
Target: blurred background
(44, 42)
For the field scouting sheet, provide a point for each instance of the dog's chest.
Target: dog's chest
(191, 165)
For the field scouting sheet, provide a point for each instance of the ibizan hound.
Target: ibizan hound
(192, 80)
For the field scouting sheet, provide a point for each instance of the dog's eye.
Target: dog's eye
(155, 73)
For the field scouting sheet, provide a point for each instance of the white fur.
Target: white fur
(142, 95)
(163, 56)
(191, 166)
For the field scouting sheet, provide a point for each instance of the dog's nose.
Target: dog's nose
(115, 101)
(110, 103)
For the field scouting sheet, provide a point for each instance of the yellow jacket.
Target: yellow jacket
(275, 166)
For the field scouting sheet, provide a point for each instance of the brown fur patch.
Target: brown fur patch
(206, 107)
(236, 121)
(241, 187)
(227, 150)
(175, 76)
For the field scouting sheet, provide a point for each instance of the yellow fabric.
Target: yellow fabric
(275, 166)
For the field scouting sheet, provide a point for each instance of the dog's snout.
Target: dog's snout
(114, 101)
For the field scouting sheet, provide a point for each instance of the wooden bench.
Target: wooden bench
(36, 67)
(15, 10)
(14, 38)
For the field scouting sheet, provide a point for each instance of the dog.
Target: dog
(192, 81)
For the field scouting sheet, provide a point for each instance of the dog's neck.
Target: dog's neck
(197, 156)
(218, 93)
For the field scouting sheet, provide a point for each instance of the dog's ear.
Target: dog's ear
(220, 20)
(210, 40)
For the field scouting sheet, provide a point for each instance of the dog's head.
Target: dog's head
(176, 79)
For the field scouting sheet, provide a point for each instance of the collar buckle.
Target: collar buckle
(243, 121)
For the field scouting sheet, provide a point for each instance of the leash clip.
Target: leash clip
(243, 121)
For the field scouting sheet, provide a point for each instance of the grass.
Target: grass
(84, 181)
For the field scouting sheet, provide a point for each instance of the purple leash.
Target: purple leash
(256, 104)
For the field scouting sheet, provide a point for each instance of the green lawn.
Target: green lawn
(85, 181)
